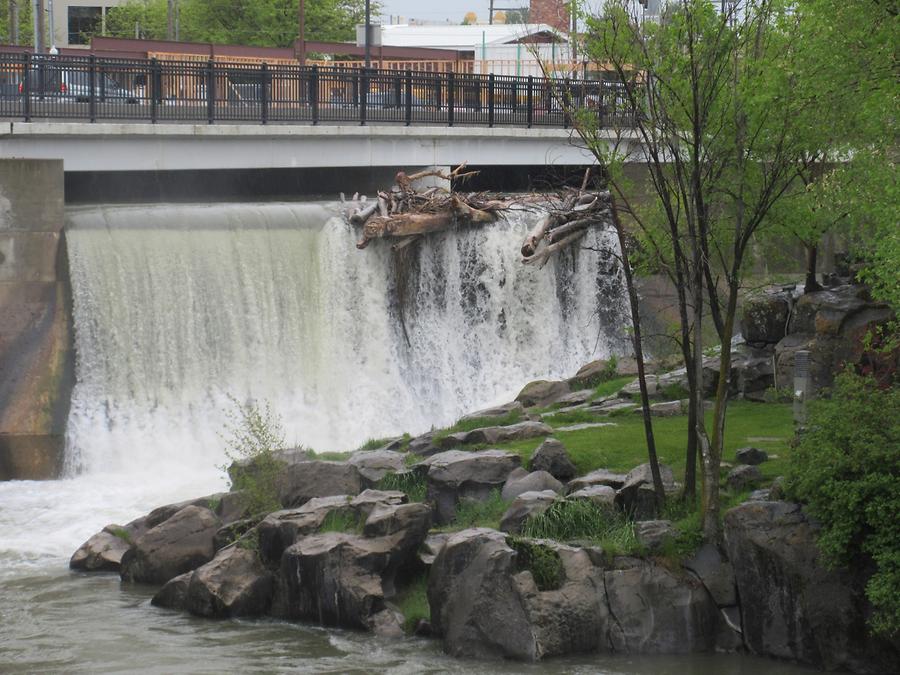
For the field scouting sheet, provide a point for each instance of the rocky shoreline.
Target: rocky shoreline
(354, 536)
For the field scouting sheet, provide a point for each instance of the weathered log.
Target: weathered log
(407, 224)
(540, 258)
(571, 226)
(537, 233)
(363, 214)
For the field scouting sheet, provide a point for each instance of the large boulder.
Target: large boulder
(345, 579)
(374, 465)
(486, 603)
(653, 534)
(493, 435)
(598, 477)
(764, 318)
(536, 481)
(179, 544)
(743, 477)
(636, 496)
(658, 611)
(173, 595)
(454, 475)
(281, 529)
(551, 456)
(750, 456)
(600, 495)
(103, 552)
(792, 607)
(715, 573)
(301, 481)
(542, 393)
(526, 505)
(494, 413)
(593, 373)
(234, 583)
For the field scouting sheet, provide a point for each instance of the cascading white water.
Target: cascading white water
(179, 307)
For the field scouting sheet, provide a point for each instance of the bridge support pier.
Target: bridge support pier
(36, 353)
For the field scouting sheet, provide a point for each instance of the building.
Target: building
(75, 21)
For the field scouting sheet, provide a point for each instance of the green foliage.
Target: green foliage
(252, 437)
(581, 520)
(374, 444)
(249, 541)
(611, 386)
(778, 395)
(542, 561)
(265, 23)
(412, 483)
(412, 601)
(343, 520)
(25, 24)
(121, 533)
(847, 469)
(674, 392)
(487, 513)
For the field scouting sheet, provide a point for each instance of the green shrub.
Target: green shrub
(412, 483)
(122, 534)
(412, 601)
(846, 467)
(542, 561)
(581, 520)
(674, 392)
(343, 520)
(252, 436)
(487, 513)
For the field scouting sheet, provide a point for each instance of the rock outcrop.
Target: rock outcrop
(526, 505)
(542, 393)
(792, 607)
(301, 481)
(536, 481)
(551, 456)
(491, 435)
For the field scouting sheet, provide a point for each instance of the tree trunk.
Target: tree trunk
(639, 358)
(812, 254)
(407, 224)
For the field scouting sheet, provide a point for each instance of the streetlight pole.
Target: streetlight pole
(368, 34)
(38, 26)
(301, 28)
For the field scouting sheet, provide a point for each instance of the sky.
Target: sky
(439, 10)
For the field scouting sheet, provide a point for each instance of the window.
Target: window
(84, 22)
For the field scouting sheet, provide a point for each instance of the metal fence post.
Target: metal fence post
(264, 94)
(529, 102)
(451, 95)
(566, 102)
(363, 95)
(210, 92)
(92, 85)
(409, 94)
(26, 86)
(153, 89)
(491, 100)
(314, 93)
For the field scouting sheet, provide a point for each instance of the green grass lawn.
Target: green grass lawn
(768, 426)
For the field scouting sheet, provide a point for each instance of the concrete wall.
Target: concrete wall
(36, 354)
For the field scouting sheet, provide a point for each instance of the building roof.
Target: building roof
(461, 38)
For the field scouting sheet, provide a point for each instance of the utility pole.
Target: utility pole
(38, 26)
(368, 34)
(491, 14)
(13, 22)
(301, 20)
(170, 20)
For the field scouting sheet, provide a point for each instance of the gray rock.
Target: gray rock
(654, 533)
(175, 546)
(526, 505)
(715, 573)
(173, 595)
(497, 411)
(485, 603)
(742, 477)
(762, 495)
(792, 607)
(601, 495)
(431, 547)
(542, 393)
(636, 496)
(750, 456)
(576, 397)
(664, 409)
(301, 481)
(598, 477)
(585, 425)
(454, 475)
(423, 445)
(659, 612)
(633, 388)
(374, 465)
(103, 552)
(764, 319)
(611, 406)
(365, 501)
(281, 529)
(595, 372)
(234, 583)
(491, 435)
(535, 481)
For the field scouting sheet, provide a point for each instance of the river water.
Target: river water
(179, 308)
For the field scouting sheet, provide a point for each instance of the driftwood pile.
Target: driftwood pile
(406, 214)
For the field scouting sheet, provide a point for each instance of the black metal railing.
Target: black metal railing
(98, 89)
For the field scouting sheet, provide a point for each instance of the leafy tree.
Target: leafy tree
(263, 23)
(26, 29)
(847, 468)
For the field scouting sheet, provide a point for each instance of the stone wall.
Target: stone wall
(36, 354)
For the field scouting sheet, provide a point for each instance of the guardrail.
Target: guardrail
(111, 89)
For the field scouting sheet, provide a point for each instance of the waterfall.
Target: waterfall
(179, 307)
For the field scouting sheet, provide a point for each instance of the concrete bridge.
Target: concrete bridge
(115, 146)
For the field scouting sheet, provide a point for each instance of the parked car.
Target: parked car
(52, 80)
